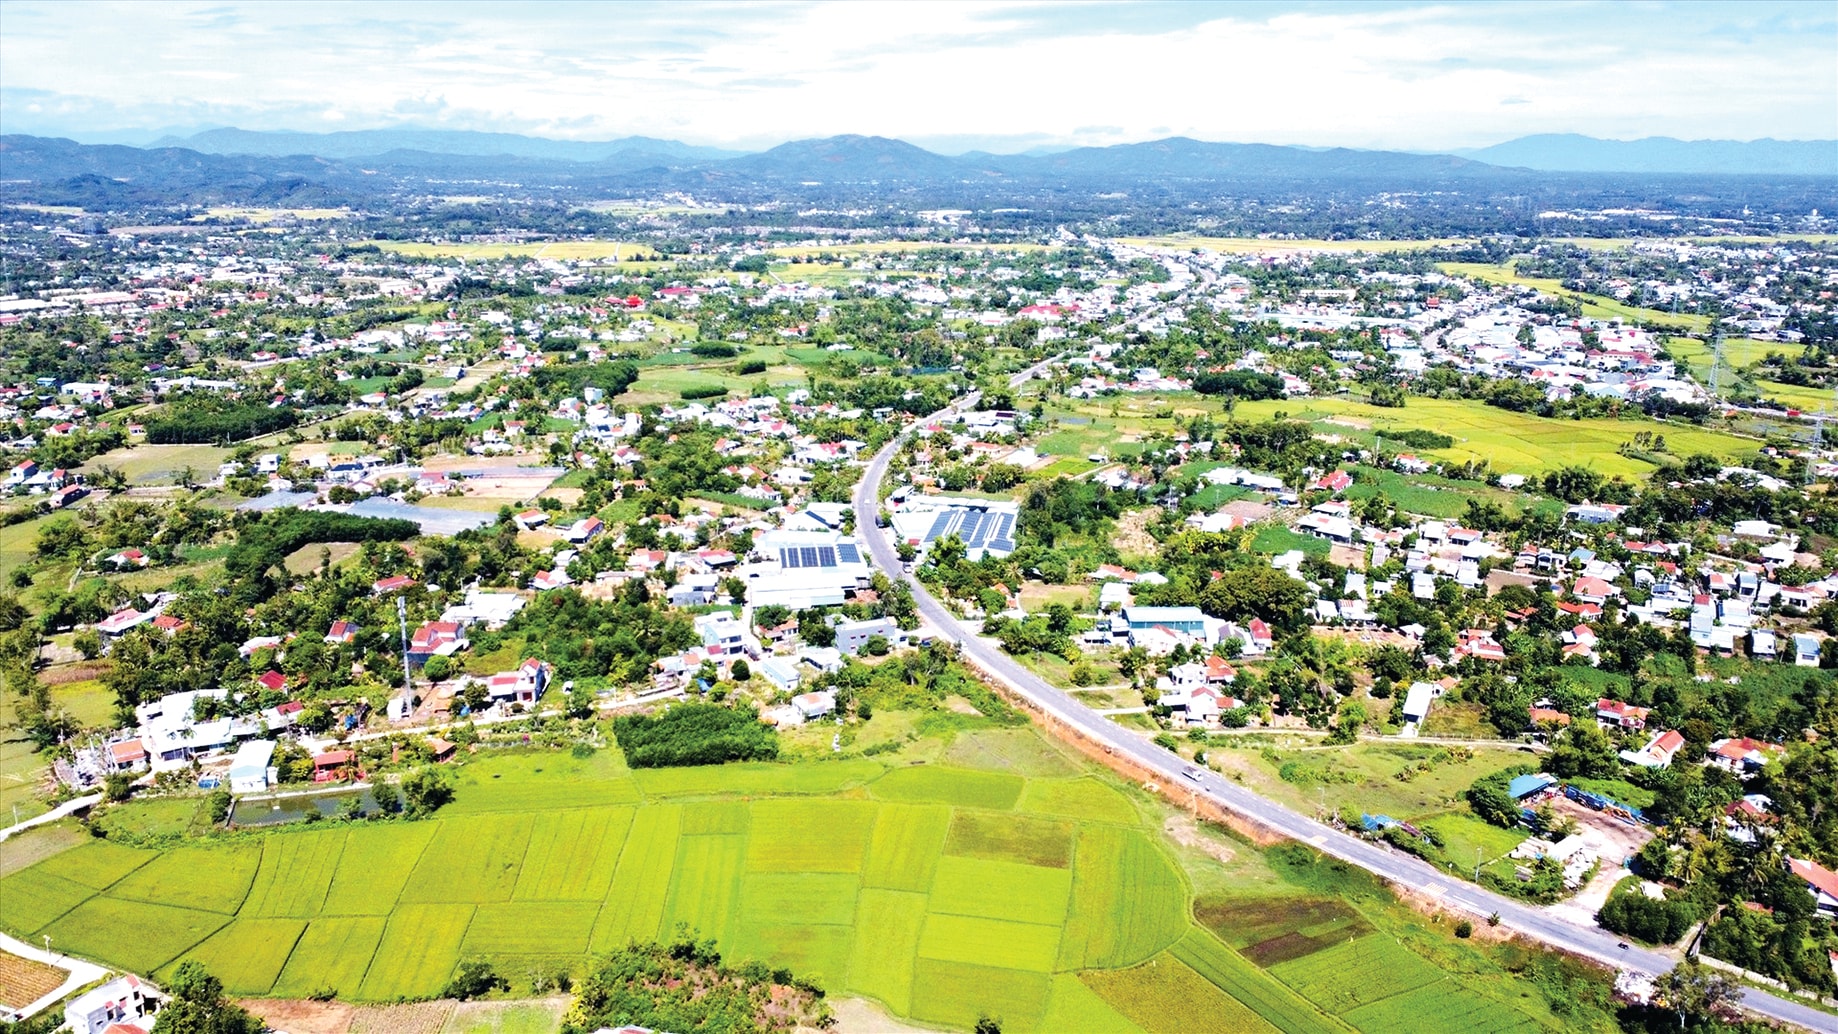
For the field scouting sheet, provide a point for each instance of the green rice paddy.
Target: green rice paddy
(944, 892)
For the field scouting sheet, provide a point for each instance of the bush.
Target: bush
(1464, 929)
(741, 671)
(219, 423)
(1655, 921)
(474, 979)
(706, 391)
(694, 734)
(750, 367)
(715, 350)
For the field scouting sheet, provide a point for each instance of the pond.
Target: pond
(276, 810)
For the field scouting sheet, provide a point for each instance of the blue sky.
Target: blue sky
(952, 76)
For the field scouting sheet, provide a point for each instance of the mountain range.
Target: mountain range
(311, 170)
(1179, 156)
(1570, 152)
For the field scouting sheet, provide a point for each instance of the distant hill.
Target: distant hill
(1570, 152)
(1185, 158)
(846, 158)
(367, 143)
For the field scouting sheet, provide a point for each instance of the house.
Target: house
(394, 583)
(694, 590)
(852, 636)
(1621, 716)
(521, 686)
(585, 529)
(127, 558)
(272, 681)
(435, 639)
(127, 756)
(494, 610)
(342, 631)
(333, 766)
(1337, 481)
(1479, 644)
(120, 622)
(1417, 701)
(1741, 755)
(1530, 785)
(811, 706)
(249, 766)
(530, 519)
(124, 1000)
(1806, 649)
(782, 672)
(1157, 627)
(1821, 882)
(1658, 752)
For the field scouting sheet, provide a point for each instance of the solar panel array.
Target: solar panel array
(848, 553)
(810, 556)
(977, 529)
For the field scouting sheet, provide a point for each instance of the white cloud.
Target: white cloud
(1408, 76)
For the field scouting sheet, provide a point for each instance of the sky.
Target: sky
(946, 75)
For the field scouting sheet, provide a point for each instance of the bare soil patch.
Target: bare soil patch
(1248, 510)
(1132, 536)
(861, 1016)
(409, 1018)
(1183, 830)
(23, 981)
(301, 1016)
(73, 673)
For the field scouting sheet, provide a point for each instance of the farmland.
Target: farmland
(1514, 443)
(942, 891)
(614, 250)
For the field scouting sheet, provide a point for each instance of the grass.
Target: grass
(1260, 246)
(1166, 996)
(1512, 442)
(1128, 900)
(943, 892)
(248, 954)
(1086, 799)
(950, 786)
(1010, 838)
(1369, 775)
(1356, 972)
(162, 464)
(1445, 1006)
(619, 250)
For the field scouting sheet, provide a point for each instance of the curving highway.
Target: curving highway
(1401, 869)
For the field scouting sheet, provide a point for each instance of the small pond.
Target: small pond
(274, 811)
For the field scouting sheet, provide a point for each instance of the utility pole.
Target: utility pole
(1716, 361)
(408, 681)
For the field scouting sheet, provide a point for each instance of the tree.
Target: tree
(437, 668)
(424, 791)
(1693, 990)
(474, 979)
(580, 702)
(987, 1024)
(117, 787)
(741, 671)
(198, 1006)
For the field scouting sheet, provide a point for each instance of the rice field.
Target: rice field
(1514, 443)
(943, 892)
(561, 250)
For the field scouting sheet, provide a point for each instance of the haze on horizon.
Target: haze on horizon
(949, 76)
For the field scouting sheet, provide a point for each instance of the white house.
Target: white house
(249, 766)
(124, 999)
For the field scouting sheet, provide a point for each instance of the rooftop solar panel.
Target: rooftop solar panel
(826, 556)
(848, 553)
(807, 556)
(939, 525)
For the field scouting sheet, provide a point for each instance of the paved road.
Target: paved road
(1403, 870)
(69, 807)
(77, 974)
